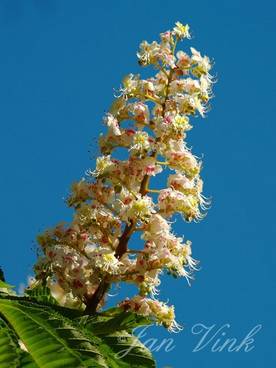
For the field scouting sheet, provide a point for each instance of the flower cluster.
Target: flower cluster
(150, 119)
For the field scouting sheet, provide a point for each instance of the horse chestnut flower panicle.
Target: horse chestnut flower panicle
(116, 200)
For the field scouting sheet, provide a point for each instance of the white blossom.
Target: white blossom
(147, 126)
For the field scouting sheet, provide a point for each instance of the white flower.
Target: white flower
(157, 225)
(203, 62)
(205, 85)
(112, 123)
(181, 123)
(187, 254)
(140, 208)
(130, 84)
(141, 142)
(171, 201)
(181, 30)
(180, 182)
(149, 166)
(183, 60)
(200, 107)
(149, 53)
(104, 259)
(184, 161)
(103, 165)
(191, 85)
(140, 111)
(159, 311)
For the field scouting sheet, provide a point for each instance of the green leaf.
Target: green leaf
(127, 351)
(11, 354)
(55, 341)
(40, 293)
(121, 348)
(26, 360)
(9, 350)
(51, 339)
(65, 311)
(113, 320)
(6, 288)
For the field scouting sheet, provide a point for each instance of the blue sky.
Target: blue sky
(60, 61)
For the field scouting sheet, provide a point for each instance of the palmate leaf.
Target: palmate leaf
(26, 360)
(113, 320)
(50, 338)
(64, 311)
(9, 350)
(124, 349)
(4, 285)
(11, 356)
(53, 340)
(40, 293)
(6, 288)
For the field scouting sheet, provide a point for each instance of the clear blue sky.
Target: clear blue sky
(60, 61)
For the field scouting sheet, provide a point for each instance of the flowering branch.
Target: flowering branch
(84, 259)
